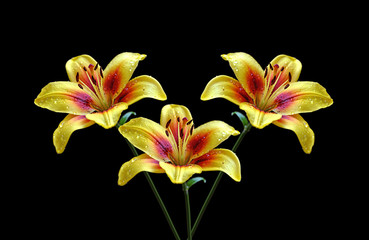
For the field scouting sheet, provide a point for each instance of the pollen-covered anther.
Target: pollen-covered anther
(167, 125)
(101, 73)
(181, 133)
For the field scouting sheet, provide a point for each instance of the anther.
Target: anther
(287, 86)
(270, 65)
(167, 133)
(189, 122)
(96, 66)
(77, 76)
(80, 86)
(266, 72)
(192, 129)
(282, 68)
(178, 119)
(289, 77)
(181, 133)
(274, 79)
(84, 68)
(93, 79)
(101, 73)
(167, 125)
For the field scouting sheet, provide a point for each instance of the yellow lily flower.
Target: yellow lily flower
(271, 96)
(177, 148)
(94, 95)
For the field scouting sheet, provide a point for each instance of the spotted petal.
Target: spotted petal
(136, 165)
(65, 97)
(220, 160)
(248, 72)
(297, 124)
(226, 87)
(119, 71)
(66, 127)
(209, 136)
(148, 136)
(180, 174)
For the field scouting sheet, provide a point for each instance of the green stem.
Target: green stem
(156, 193)
(188, 210)
(246, 129)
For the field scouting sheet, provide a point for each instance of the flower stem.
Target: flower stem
(158, 198)
(188, 210)
(246, 129)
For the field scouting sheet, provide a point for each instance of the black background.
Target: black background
(283, 192)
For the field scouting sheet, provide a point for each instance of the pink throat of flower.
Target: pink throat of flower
(90, 79)
(179, 132)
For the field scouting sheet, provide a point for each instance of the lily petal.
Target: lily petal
(248, 72)
(147, 136)
(257, 117)
(65, 97)
(108, 118)
(77, 65)
(302, 97)
(119, 71)
(180, 174)
(220, 160)
(66, 127)
(136, 165)
(226, 87)
(209, 136)
(290, 65)
(297, 124)
(141, 87)
(171, 113)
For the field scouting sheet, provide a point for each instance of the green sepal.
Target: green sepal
(124, 118)
(192, 182)
(242, 118)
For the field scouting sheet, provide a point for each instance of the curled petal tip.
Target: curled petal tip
(142, 57)
(225, 57)
(235, 133)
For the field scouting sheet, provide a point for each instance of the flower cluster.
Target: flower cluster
(174, 145)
